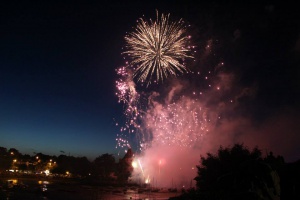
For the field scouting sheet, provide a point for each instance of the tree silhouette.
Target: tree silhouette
(104, 165)
(5, 159)
(14, 152)
(3, 151)
(125, 167)
(236, 173)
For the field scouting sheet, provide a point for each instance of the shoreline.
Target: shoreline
(37, 187)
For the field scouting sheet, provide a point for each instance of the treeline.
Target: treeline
(236, 173)
(104, 167)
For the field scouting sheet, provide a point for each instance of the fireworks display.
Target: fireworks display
(158, 48)
(170, 122)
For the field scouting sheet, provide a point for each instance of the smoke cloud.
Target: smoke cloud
(187, 122)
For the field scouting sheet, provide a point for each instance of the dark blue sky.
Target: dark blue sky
(58, 61)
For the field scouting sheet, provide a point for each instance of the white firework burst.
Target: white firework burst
(158, 48)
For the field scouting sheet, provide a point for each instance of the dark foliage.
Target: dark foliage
(105, 166)
(289, 181)
(235, 173)
(125, 168)
(79, 166)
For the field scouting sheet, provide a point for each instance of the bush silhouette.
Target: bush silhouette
(236, 173)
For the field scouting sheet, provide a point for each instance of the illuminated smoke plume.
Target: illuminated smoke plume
(170, 127)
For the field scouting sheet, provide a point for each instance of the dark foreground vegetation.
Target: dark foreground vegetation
(232, 173)
(239, 174)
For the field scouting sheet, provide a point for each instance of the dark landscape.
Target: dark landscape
(234, 173)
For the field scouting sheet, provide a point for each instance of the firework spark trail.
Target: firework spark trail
(127, 94)
(158, 48)
(141, 167)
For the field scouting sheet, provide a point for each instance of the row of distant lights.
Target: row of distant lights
(47, 172)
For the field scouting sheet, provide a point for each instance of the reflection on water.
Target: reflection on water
(23, 189)
(58, 190)
(11, 182)
(43, 185)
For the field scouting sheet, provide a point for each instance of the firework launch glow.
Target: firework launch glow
(158, 48)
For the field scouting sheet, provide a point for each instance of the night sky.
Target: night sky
(58, 61)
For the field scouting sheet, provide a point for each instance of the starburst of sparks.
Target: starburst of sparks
(158, 48)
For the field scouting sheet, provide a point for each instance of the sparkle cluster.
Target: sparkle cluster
(181, 123)
(127, 94)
